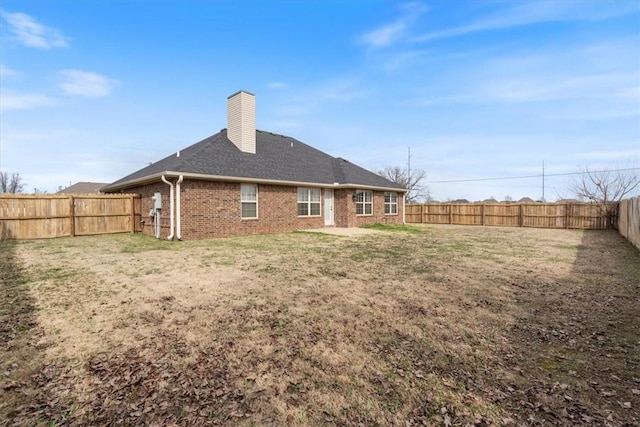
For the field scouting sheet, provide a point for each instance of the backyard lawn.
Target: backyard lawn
(418, 325)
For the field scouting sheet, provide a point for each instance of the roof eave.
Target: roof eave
(373, 187)
(157, 176)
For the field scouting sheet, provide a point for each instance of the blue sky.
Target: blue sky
(94, 90)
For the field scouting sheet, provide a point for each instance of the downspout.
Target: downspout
(178, 214)
(404, 208)
(170, 236)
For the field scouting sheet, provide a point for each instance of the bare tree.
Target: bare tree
(11, 183)
(411, 181)
(606, 187)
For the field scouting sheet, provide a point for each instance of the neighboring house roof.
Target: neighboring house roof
(278, 159)
(83, 188)
(526, 200)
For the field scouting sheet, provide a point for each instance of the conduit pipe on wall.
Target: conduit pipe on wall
(178, 213)
(171, 207)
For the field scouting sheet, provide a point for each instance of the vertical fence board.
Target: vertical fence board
(42, 216)
(536, 215)
(629, 220)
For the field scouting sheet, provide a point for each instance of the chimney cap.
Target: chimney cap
(241, 90)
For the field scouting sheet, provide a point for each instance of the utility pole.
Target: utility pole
(543, 200)
(408, 170)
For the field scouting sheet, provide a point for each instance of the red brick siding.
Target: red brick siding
(346, 210)
(212, 209)
(146, 192)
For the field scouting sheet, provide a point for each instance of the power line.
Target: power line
(530, 176)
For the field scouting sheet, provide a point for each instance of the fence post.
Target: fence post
(482, 214)
(566, 215)
(520, 215)
(72, 216)
(133, 214)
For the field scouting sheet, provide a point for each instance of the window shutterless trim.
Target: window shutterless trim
(361, 200)
(392, 203)
(309, 203)
(247, 201)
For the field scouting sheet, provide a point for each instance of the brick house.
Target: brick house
(245, 181)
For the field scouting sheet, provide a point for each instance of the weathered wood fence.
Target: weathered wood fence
(537, 215)
(629, 220)
(55, 215)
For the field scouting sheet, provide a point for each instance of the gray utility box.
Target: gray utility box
(157, 201)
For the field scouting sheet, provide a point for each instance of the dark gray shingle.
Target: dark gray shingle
(277, 157)
(83, 188)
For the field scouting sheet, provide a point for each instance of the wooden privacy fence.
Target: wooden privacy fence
(537, 215)
(629, 220)
(55, 215)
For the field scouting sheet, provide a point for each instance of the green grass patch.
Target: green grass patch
(456, 246)
(394, 227)
(319, 236)
(59, 273)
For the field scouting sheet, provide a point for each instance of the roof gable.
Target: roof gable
(277, 158)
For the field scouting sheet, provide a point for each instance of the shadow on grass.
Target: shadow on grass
(579, 341)
(20, 355)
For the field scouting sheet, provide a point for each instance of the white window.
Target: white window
(390, 203)
(364, 203)
(309, 201)
(249, 200)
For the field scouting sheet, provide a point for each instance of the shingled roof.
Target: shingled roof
(83, 188)
(278, 159)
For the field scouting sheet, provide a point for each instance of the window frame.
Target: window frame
(361, 200)
(247, 201)
(307, 191)
(390, 204)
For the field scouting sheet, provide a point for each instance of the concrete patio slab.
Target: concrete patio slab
(343, 231)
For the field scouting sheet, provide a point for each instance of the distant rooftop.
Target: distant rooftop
(83, 188)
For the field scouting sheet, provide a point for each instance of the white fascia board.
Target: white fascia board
(157, 176)
(372, 187)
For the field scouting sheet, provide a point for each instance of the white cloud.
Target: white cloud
(30, 33)
(24, 101)
(277, 85)
(392, 32)
(340, 90)
(86, 83)
(384, 36)
(318, 95)
(7, 72)
(632, 93)
(538, 12)
(610, 155)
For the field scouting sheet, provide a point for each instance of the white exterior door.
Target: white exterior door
(328, 207)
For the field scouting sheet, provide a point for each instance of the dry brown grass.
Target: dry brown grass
(432, 325)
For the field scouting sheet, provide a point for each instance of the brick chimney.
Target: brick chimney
(241, 121)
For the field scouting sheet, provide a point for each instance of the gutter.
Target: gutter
(204, 177)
